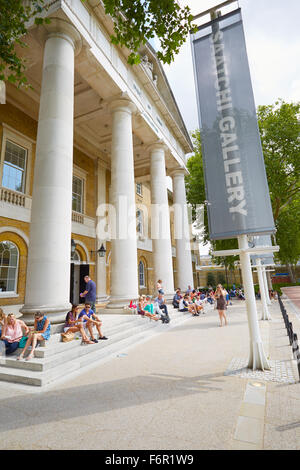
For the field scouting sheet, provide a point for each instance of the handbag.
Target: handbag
(22, 341)
(68, 336)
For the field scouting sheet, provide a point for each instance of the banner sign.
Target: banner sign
(235, 178)
(266, 259)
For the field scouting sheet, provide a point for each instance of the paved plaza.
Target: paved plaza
(185, 388)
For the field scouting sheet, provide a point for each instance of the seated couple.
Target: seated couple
(186, 305)
(156, 311)
(84, 322)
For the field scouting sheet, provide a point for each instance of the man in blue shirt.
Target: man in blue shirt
(89, 319)
(90, 292)
(161, 304)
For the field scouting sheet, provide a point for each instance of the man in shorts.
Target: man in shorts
(89, 319)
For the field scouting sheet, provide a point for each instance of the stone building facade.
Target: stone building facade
(92, 131)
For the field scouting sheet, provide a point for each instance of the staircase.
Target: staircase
(54, 360)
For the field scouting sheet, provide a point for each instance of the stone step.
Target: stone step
(63, 352)
(72, 357)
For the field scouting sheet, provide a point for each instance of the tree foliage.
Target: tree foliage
(135, 23)
(279, 126)
(14, 17)
(138, 21)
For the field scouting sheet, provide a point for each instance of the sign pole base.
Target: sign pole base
(257, 357)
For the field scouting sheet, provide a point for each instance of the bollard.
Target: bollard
(298, 363)
(291, 333)
(295, 346)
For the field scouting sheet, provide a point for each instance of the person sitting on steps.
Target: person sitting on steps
(12, 332)
(161, 304)
(150, 310)
(89, 320)
(40, 332)
(186, 306)
(72, 324)
(176, 298)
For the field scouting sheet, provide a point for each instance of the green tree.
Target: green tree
(288, 236)
(211, 280)
(279, 126)
(14, 17)
(221, 278)
(135, 23)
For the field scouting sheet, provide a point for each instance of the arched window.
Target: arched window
(9, 259)
(139, 222)
(142, 274)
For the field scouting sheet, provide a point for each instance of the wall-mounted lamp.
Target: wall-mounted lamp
(101, 252)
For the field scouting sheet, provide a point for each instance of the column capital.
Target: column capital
(178, 172)
(157, 145)
(62, 28)
(122, 104)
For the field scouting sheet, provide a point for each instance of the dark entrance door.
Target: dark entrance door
(84, 271)
(78, 271)
(72, 284)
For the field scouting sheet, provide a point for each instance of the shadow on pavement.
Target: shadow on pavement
(31, 410)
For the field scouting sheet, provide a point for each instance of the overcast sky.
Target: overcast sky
(272, 30)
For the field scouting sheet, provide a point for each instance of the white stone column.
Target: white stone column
(101, 222)
(182, 232)
(48, 270)
(124, 275)
(160, 221)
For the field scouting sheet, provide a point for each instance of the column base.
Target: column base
(121, 302)
(102, 299)
(55, 314)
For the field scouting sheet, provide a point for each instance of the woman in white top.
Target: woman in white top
(12, 332)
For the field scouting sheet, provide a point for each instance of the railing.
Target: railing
(12, 197)
(77, 217)
(293, 338)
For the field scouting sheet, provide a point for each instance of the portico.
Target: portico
(118, 126)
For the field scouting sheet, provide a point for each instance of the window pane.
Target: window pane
(141, 274)
(10, 285)
(12, 178)
(77, 194)
(3, 273)
(15, 155)
(8, 266)
(11, 273)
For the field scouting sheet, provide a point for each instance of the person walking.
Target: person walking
(220, 296)
(90, 293)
